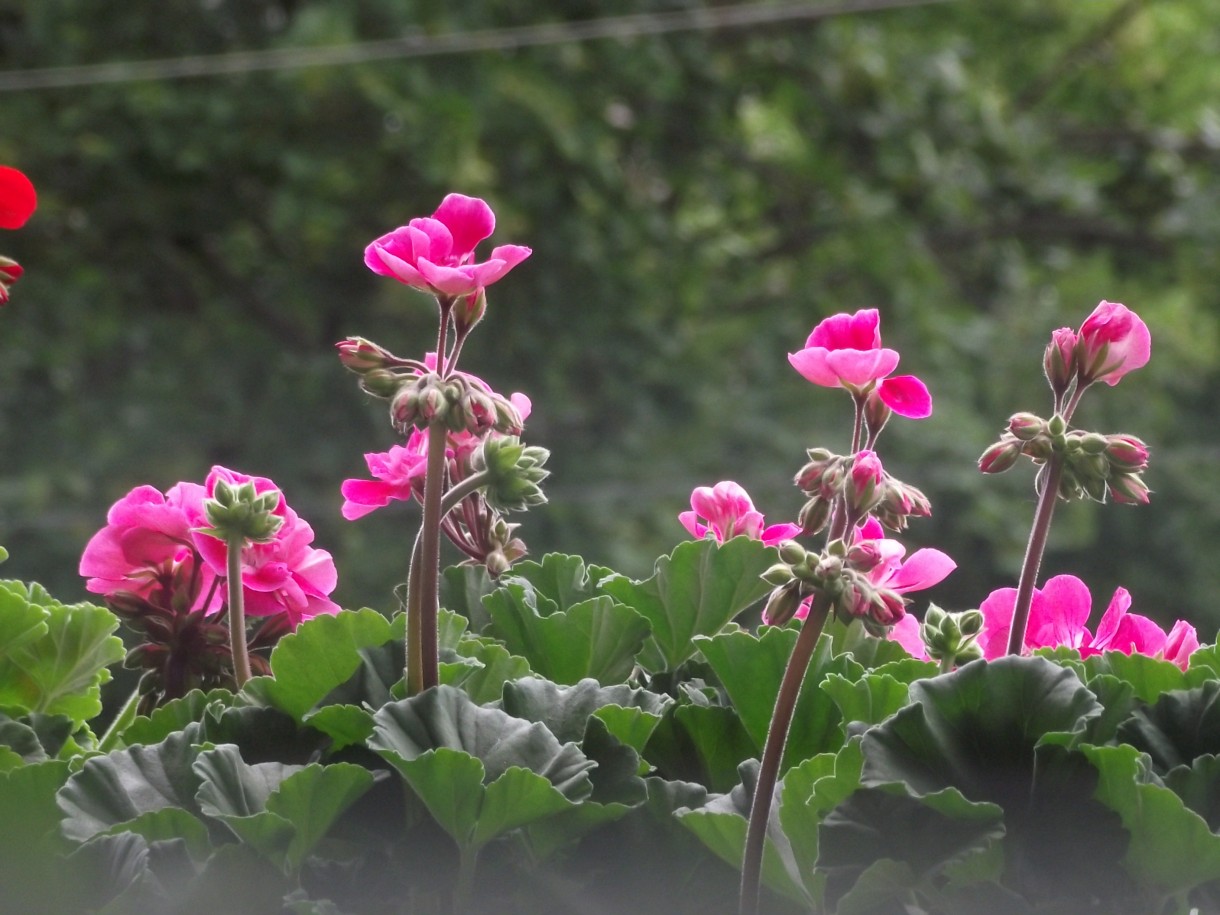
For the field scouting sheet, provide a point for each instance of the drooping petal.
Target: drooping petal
(690, 521)
(922, 569)
(906, 633)
(997, 612)
(1181, 643)
(907, 396)
(450, 281)
(814, 366)
(394, 267)
(778, 533)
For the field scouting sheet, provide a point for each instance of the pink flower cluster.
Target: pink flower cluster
(1059, 615)
(18, 200)
(725, 511)
(151, 548)
(436, 253)
(845, 351)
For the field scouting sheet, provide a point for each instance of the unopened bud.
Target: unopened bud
(383, 383)
(235, 514)
(814, 515)
(783, 604)
(864, 556)
(1026, 427)
(791, 552)
(971, 622)
(1093, 443)
(1059, 361)
(10, 272)
(1127, 454)
(468, 311)
(361, 356)
(1056, 426)
(876, 413)
(1129, 489)
(1001, 456)
(778, 575)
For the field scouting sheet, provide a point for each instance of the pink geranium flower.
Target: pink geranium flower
(725, 511)
(147, 546)
(285, 575)
(436, 253)
(845, 351)
(1059, 614)
(906, 633)
(1112, 342)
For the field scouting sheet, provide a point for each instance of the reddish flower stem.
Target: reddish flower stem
(1033, 554)
(773, 752)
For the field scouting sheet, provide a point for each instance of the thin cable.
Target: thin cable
(421, 45)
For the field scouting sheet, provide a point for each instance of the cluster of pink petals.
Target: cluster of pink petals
(150, 538)
(436, 253)
(147, 545)
(1058, 617)
(1112, 342)
(921, 570)
(725, 511)
(398, 474)
(845, 351)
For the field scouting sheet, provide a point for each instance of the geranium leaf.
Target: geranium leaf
(751, 668)
(61, 672)
(517, 797)
(493, 666)
(450, 783)
(695, 590)
(1171, 847)
(869, 700)
(346, 725)
(565, 580)
(852, 638)
(597, 638)
(1180, 726)
(21, 621)
(319, 656)
(175, 715)
(1148, 676)
(446, 717)
(566, 710)
(117, 788)
(229, 786)
(313, 799)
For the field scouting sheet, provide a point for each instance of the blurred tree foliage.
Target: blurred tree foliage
(982, 172)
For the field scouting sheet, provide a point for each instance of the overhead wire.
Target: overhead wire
(421, 44)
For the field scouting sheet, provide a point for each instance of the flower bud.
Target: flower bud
(778, 575)
(782, 604)
(468, 311)
(236, 514)
(1059, 361)
(1026, 427)
(1092, 443)
(791, 552)
(814, 515)
(515, 472)
(1129, 489)
(864, 556)
(809, 479)
(360, 356)
(876, 413)
(10, 272)
(1127, 454)
(1001, 456)
(1056, 426)
(864, 482)
(971, 622)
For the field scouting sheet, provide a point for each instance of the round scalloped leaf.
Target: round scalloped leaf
(1180, 726)
(566, 710)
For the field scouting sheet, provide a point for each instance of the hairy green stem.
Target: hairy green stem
(1033, 553)
(773, 751)
(125, 716)
(237, 612)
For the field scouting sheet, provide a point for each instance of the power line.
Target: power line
(422, 45)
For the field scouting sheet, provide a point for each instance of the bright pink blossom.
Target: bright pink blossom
(1112, 342)
(436, 253)
(725, 511)
(147, 546)
(18, 200)
(845, 350)
(1059, 614)
(285, 575)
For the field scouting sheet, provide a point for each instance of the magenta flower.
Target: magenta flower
(147, 547)
(906, 633)
(845, 351)
(436, 253)
(1112, 342)
(725, 511)
(1059, 614)
(285, 575)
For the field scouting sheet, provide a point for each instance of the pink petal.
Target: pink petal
(1064, 613)
(512, 255)
(814, 366)
(923, 569)
(451, 281)
(871, 529)
(906, 633)
(468, 218)
(396, 268)
(844, 331)
(690, 521)
(859, 367)
(18, 200)
(778, 533)
(430, 238)
(1182, 642)
(997, 621)
(1111, 620)
(907, 396)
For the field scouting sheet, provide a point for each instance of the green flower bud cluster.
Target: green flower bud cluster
(504, 548)
(514, 472)
(840, 573)
(951, 638)
(237, 514)
(827, 478)
(1094, 465)
(455, 403)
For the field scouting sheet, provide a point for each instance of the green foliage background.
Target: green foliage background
(982, 172)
